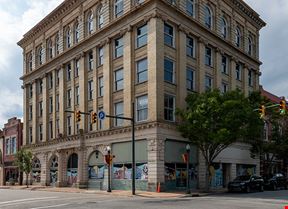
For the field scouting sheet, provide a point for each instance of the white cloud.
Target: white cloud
(17, 17)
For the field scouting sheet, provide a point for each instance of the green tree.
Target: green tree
(23, 159)
(213, 121)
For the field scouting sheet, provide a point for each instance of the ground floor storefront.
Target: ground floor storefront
(79, 161)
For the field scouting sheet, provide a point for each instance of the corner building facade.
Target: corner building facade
(104, 55)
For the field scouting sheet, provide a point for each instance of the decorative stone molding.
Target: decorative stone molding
(183, 29)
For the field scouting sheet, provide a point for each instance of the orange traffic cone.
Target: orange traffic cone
(158, 187)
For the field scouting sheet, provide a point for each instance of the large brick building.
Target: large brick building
(103, 55)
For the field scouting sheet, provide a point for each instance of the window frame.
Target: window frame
(118, 122)
(166, 70)
(190, 49)
(118, 47)
(119, 81)
(141, 71)
(118, 8)
(208, 17)
(224, 31)
(169, 35)
(168, 109)
(90, 90)
(190, 83)
(140, 110)
(140, 36)
(190, 8)
(101, 86)
(208, 56)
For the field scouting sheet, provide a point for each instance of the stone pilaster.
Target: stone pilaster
(45, 177)
(201, 66)
(54, 105)
(25, 115)
(83, 92)
(108, 85)
(245, 80)
(232, 73)
(201, 171)
(233, 171)
(218, 67)
(82, 182)
(62, 102)
(156, 164)
(73, 128)
(34, 113)
(45, 109)
(61, 169)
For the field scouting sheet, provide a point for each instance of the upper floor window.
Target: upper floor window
(50, 49)
(139, 1)
(100, 56)
(223, 27)
(30, 112)
(40, 83)
(90, 60)
(208, 83)
(250, 78)
(168, 35)
(118, 47)
(250, 45)
(69, 99)
(190, 79)
(40, 109)
(57, 44)
(224, 64)
(101, 87)
(118, 79)
(169, 70)
(69, 71)
(69, 127)
(169, 107)
(90, 90)
(68, 37)
(100, 17)
(190, 47)
(208, 16)
(208, 56)
(77, 68)
(142, 108)
(190, 7)
(224, 87)
(141, 36)
(50, 104)
(76, 32)
(50, 79)
(237, 37)
(142, 68)
(90, 23)
(30, 61)
(238, 72)
(77, 95)
(118, 111)
(30, 91)
(40, 55)
(118, 8)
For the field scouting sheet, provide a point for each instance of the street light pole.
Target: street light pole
(187, 169)
(133, 149)
(109, 169)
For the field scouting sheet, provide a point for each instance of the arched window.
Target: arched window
(57, 44)
(30, 61)
(76, 32)
(223, 27)
(90, 23)
(250, 45)
(50, 49)
(237, 37)
(100, 17)
(68, 37)
(208, 17)
(40, 53)
(190, 7)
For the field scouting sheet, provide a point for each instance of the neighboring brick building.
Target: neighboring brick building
(103, 55)
(12, 135)
(1, 158)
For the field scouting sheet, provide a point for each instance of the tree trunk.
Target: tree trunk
(27, 183)
(207, 178)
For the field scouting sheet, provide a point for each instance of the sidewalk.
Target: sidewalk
(123, 193)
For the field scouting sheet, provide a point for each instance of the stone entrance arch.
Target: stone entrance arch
(72, 169)
(36, 170)
(53, 170)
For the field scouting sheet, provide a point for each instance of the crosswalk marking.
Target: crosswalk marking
(24, 200)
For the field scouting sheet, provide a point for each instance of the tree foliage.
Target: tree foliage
(23, 160)
(213, 121)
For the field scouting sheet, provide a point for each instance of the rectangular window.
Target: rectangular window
(57, 127)
(69, 98)
(118, 76)
(77, 95)
(190, 47)
(40, 109)
(101, 87)
(90, 61)
(224, 87)
(169, 70)
(141, 39)
(190, 79)
(142, 108)
(238, 72)
(57, 103)
(14, 145)
(40, 132)
(7, 146)
(30, 112)
(118, 10)
(142, 70)
(118, 109)
(118, 47)
(100, 56)
(30, 135)
(250, 78)
(50, 130)
(40, 86)
(168, 35)
(68, 70)
(208, 83)
(90, 90)
(57, 78)
(31, 91)
(69, 128)
(169, 107)
(50, 104)
(208, 56)
(224, 65)
(190, 7)
(50, 79)
(77, 67)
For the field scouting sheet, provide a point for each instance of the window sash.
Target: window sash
(119, 80)
(141, 36)
(169, 70)
(169, 107)
(190, 46)
(190, 7)
(118, 47)
(119, 5)
(142, 71)
(168, 35)
(101, 87)
(142, 108)
(190, 85)
(119, 111)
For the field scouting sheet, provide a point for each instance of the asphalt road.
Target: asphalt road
(23, 199)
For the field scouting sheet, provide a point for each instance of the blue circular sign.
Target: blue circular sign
(101, 115)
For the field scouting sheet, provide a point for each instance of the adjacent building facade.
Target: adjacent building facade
(1, 158)
(12, 142)
(106, 55)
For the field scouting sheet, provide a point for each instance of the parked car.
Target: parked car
(246, 183)
(273, 182)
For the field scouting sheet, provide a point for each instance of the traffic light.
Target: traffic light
(282, 106)
(109, 159)
(78, 115)
(261, 111)
(93, 117)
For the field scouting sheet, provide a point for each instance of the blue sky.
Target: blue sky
(18, 16)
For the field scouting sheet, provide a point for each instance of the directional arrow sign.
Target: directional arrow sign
(101, 115)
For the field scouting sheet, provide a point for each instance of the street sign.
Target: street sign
(101, 115)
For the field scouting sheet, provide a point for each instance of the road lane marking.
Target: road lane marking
(51, 206)
(28, 199)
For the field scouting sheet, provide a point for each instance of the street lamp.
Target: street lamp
(187, 168)
(108, 161)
